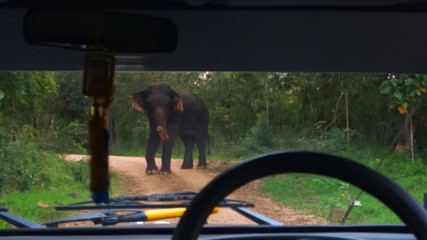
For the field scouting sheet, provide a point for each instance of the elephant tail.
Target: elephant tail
(209, 145)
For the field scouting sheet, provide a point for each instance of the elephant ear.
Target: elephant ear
(179, 106)
(138, 101)
(136, 106)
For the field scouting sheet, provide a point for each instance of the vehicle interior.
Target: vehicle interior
(112, 36)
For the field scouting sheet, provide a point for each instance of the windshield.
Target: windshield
(172, 132)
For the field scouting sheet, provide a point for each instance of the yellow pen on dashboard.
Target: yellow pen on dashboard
(159, 214)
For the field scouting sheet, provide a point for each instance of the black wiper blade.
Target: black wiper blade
(127, 209)
(146, 198)
(18, 221)
(174, 200)
(112, 217)
(225, 203)
(106, 217)
(158, 197)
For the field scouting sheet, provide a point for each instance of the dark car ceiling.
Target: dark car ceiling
(210, 3)
(253, 39)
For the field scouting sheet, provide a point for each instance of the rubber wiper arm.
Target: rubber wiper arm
(158, 197)
(19, 221)
(112, 217)
(155, 201)
(146, 198)
(107, 216)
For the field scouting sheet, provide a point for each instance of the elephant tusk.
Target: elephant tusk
(162, 133)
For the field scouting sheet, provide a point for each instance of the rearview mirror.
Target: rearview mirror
(94, 30)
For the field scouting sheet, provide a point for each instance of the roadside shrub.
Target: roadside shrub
(69, 138)
(258, 139)
(80, 171)
(19, 158)
(332, 141)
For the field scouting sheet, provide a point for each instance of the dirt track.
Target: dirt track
(131, 174)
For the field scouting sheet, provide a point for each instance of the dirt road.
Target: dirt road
(131, 174)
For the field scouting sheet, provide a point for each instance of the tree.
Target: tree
(406, 93)
(26, 95)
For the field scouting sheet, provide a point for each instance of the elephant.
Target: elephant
(171, 113)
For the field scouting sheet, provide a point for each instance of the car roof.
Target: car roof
(320, 36)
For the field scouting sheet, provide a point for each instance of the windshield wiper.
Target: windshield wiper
(106, 217)
(124, 209)
(170, 200)
(112, 217)
(128, 209)
(18, 221)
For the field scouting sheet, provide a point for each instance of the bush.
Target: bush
(23, 165)
(19, 158)
(258, 139)
(70, 137)
(332, 141)
(80, 171)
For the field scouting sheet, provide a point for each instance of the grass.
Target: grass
(329, 198)
(37, 205)
(64, 183)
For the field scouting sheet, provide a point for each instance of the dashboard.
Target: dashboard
(221, 232)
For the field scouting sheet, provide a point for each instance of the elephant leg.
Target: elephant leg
(201, 145)
(202, 141)
(152, 146)
(188, 154)
(166, 158)
(167, 149)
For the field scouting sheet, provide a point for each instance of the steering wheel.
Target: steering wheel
(367, 179)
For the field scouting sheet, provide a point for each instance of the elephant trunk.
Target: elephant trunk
(160, 116)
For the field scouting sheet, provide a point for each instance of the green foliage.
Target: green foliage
(26, 93)
(23, 166)
(332, 140)
(308, 192)
(69, 103)
(20, 160)
(287, 101)
(320, 194)
(56, 127)
(258, 139)
(404, 90)
(63, 183)
(69, 137)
